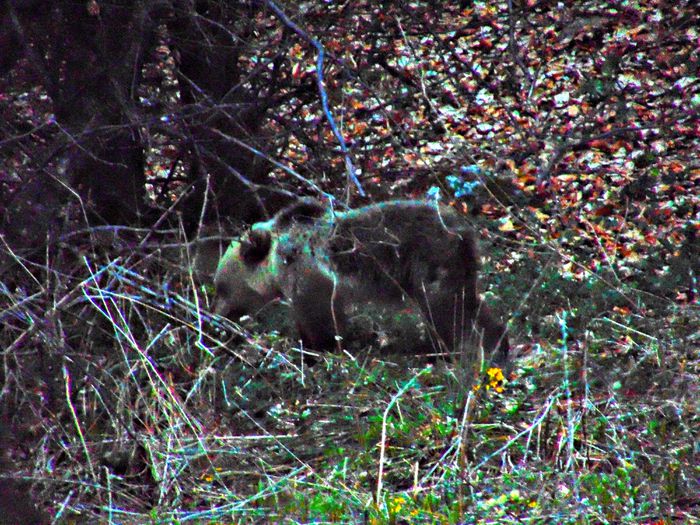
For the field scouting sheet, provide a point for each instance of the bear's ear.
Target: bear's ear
(255, 247)
(304, 211)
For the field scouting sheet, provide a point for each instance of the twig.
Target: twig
(321, 89)
(382, 447)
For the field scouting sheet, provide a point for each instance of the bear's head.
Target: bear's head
(247, 277)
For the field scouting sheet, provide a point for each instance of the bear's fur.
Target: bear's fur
(389, 252)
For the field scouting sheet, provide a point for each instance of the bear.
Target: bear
(323, 260)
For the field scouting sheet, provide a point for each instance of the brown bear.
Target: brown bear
(323, 260)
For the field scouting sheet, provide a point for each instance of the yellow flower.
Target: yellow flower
(496, 374)
(495, 379)
(396, 504)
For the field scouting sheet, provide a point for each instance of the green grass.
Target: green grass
(133, 405)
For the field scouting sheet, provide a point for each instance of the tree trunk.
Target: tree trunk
(210, 77)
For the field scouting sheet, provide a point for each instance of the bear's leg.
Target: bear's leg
(318, 310)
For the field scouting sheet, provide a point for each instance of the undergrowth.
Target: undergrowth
(125, 401)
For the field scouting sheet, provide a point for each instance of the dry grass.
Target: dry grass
(124, 401)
